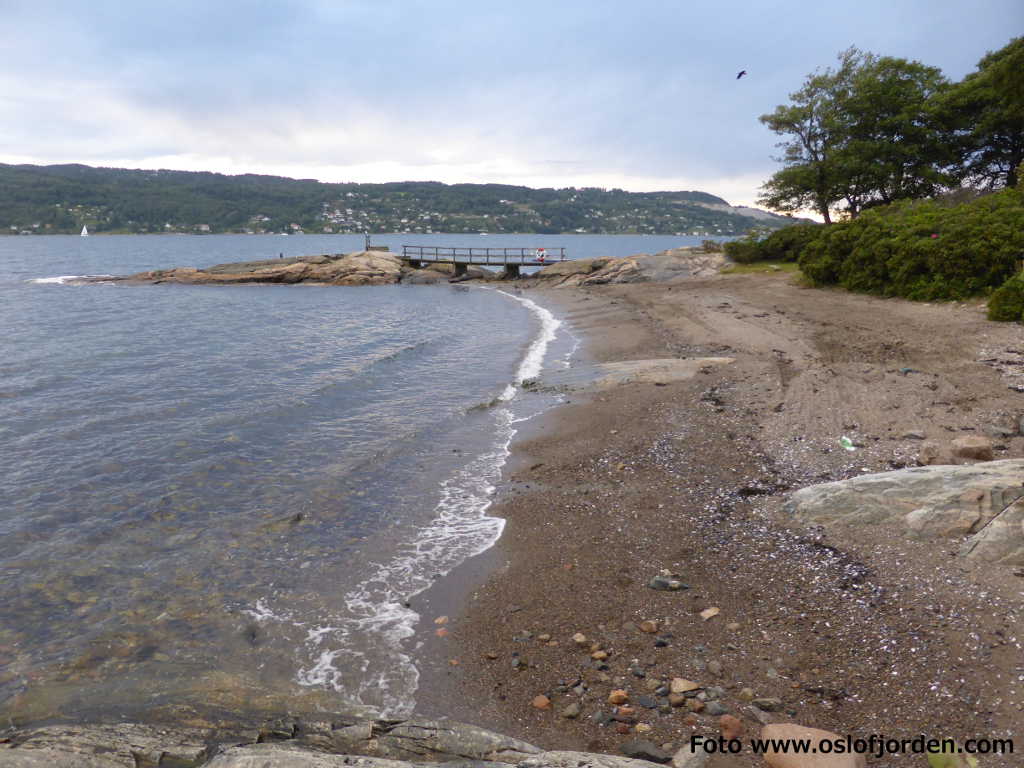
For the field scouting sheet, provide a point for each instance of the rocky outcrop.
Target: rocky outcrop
(330, 743)
(981, 503)
(659, 267)
(360, 268)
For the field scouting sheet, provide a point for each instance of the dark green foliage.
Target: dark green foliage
(923, 249)
(781, 245)
(1007, 303)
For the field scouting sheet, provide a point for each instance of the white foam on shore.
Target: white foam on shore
(64, 279)
(459, 530)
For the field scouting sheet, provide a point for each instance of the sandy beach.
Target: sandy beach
(859, 631)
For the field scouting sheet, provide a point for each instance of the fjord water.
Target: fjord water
(214, 492)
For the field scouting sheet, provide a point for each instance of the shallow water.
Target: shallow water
(209, 489)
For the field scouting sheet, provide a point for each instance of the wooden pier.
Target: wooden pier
(509, 258)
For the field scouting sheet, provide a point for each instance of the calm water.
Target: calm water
(235, 489)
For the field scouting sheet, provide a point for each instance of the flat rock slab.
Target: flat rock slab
(290, 756)
(609, 375)
(982, 502)
(127, 745)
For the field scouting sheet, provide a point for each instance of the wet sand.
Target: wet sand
(857, 632)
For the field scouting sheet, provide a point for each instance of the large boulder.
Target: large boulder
(979, 502)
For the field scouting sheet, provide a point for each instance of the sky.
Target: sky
(639, 95)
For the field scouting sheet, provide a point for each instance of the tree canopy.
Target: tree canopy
(877, 129)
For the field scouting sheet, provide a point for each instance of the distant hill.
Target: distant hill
(55, 199)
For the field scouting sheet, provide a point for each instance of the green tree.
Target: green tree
(816, 127)
(986, 109)
(863, 134)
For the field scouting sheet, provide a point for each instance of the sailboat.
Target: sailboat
(85, 231)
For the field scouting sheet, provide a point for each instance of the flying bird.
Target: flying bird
(741, 74)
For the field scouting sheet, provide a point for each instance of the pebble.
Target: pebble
(768, 704)
(695, 705)
(649, 626)
(642, 728)
(731, 727)
(618, 696)
(682, 685)
(676, 699)
(710, 613)
(714, 692)
(599, 655)
(746, 694)
(715, 667)
(637, 671)
(716, 708)
(571, 712)
(543, 638)
(661, 642)
(732, 626)
(541, 702)
(491, 655)
(648, 702)
(441, 620)
(622, 728)
(665, 584)
(580, 639)
(652, 684)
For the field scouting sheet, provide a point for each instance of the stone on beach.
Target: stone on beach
(791, 731)
(682, 685)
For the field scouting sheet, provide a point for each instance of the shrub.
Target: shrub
(1007, 303)
(922, 249)
(786, 244)
(781, 245)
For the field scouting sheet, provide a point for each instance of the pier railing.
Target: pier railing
(484, 256)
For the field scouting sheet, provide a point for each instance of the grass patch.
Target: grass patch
(761, 266)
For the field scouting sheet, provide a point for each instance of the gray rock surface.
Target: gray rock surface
(339, 741)
(560, 759)
(642, 267)
(978, 502)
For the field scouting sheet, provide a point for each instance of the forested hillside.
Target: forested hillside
(62, 198)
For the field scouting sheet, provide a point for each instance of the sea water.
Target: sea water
(208, 489)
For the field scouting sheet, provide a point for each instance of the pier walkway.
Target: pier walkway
(509, 258)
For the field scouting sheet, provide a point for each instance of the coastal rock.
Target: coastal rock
(291, 756)
(644, 750)
(563, 759)
(787, 731)
(936, 502)
(417, 739)
(127, 745)
(575, 267)
(643, 267)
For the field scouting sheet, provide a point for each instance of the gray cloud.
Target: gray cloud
(638, 93)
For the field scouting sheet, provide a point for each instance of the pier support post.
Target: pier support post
(511, 272)
(413, 264)
(460, 269)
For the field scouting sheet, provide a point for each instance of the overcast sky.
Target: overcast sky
(637, 94)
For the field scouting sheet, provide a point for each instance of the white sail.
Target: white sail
(85, 231)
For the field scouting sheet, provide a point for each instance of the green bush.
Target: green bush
(1007, 303)
(781, 245)
(921, 249)
(787, 243)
